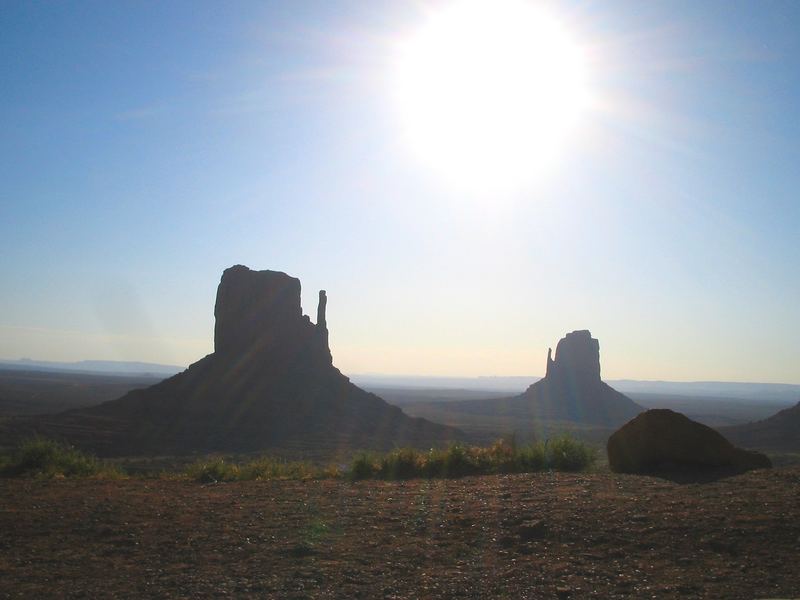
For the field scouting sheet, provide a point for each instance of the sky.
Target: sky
(147, 146)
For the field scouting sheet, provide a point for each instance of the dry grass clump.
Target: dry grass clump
(217, 469)
(561, 454)
(42, 457)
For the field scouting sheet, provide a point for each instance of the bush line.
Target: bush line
(561, 454)
(40, 457)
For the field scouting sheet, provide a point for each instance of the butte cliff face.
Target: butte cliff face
(258, 317)
(269, 385)
(577, 359)
(571, 391)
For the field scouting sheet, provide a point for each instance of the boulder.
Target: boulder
(662, 439)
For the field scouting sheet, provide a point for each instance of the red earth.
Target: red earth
(515, 536)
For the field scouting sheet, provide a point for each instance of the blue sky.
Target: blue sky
(146, 146)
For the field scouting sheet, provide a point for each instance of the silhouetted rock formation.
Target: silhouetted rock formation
(577, 358)
(664, 440)
(270, 384)
(258, 314)
(571, 391)
(778, 433)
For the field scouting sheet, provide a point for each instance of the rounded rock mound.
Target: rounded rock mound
(662, 439)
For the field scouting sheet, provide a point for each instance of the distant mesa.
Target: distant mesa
(572, 389)
(570, 392)
(778, 433)
(270, 384)
(664, 440)
(577, 359)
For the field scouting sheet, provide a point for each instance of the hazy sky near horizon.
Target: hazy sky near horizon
(147, 146)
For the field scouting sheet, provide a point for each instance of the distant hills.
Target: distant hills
(37, 392)
(777, 392)
(773, 392)
(778, 433)
(104, 367)
(422, 382)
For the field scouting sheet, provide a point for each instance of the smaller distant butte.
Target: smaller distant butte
(571, 391)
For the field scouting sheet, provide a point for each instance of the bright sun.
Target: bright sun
(488, 91)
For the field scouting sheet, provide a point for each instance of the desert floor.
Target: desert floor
(519, 536)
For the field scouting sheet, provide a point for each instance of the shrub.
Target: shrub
(531, 458)
(213, 470)
(362, 466)
(5, 463)
(41, 457)
(504, 456)
(401, 463)
(433, 466)
(330, 471)
(217, 470)
(268, 467)
(567, 454)
(458, 462)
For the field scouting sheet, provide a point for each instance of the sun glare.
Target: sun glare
(488, 91)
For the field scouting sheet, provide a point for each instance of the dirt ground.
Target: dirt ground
(521, 536)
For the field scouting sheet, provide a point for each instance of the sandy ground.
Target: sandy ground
(521, 536)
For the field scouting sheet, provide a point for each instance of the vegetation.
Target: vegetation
(217, 469)
(41, 457)
(567, 454)
(562, 454)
